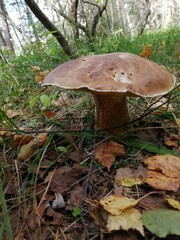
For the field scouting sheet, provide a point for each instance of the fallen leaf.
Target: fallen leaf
(172, 202)
(41, 139)
(128, 219)
(50, 114)
(66, 176)
(57, 218)
(107, 152)
(35, 68)
(161, 182)
(119, 235)
(162, 222)
(20, 139)
(164, 172)
(128, 177)
(28, 150)
(39, 79)
(115, 204)
(172, 141)
(12, 113)
(147, 52)
(76, 198)
(58, 202)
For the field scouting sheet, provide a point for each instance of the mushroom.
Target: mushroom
(110, 78)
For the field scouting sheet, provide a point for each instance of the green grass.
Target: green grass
(5, 219)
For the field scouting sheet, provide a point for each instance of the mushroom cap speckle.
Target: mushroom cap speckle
(112, 73)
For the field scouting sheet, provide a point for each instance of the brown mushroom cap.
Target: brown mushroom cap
(110, 73)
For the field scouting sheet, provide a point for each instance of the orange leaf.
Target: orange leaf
(50, 114)
(107, 152)
(20, 140)
(147, 52)
(41, 138)
(164, 172)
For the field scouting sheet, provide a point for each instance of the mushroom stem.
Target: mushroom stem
(111, 111)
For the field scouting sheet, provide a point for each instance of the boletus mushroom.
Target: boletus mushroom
(110, 78)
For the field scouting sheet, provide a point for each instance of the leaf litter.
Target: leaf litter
(77, 190)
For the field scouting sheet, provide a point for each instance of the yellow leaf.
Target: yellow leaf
(129, 182)
(115, 204)
(128, 219)
(172, 202)
(28, 150)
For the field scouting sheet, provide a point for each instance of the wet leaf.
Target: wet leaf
(107, 152)
(162, 222)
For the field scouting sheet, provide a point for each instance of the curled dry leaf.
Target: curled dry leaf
(115, 204)
(107, 152)
(164, 172)
(58, 202)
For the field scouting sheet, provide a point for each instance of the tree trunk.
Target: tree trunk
(5, 32)
(51, 27)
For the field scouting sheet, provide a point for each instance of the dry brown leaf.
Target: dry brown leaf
(50, 114)
(115, 204)
(107, 152)
(39, 79)
(76, 198)
(172, 202)
(20, 139)
(172, 140)
(147, 52)
(35, 68)
(12, 113)
(168, 165)
(41, 139)
(159, 181)
(128, 219)
(28, 150)
(64, 177)
(128, 177)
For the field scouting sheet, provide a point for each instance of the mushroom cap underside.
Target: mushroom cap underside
(112, 73)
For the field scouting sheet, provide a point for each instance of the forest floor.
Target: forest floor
(55, 182)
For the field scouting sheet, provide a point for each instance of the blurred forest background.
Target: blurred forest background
(80, 20)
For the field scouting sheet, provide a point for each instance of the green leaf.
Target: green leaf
(33, 101)
(76, 212)
(45, 100)
(162, 222)
(62, 149)
(148, 146)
